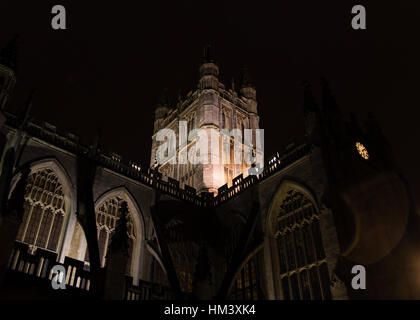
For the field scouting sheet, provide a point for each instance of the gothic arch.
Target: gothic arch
(295, 257)
(251, 255)
(284, 186)
(68, 194)
(61, 172)
(138, 224)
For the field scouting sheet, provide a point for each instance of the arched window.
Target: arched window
(302, 263)
(107, 215)
(44, 211)
(246, 285)
(183, 254)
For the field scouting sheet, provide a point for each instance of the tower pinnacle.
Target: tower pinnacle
(247, 88)
(209, 71)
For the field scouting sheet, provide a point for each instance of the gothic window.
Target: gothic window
(246, 283)
(107, 216)
(183, 253)
(44, 211)
(223, 121)
(302, 264)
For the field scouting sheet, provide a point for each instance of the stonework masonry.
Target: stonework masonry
(193, 232)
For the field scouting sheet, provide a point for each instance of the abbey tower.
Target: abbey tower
(212, 107)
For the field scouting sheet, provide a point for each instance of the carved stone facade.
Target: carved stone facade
(269, 236)
(210, 107)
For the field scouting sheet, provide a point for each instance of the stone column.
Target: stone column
(11, 218)
(117, 258)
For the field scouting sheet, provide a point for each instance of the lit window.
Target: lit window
(44, 211)
(107, 216)
(302, 263)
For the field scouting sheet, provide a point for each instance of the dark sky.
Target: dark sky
(107, 69)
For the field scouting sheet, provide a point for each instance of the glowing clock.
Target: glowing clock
(361, 149)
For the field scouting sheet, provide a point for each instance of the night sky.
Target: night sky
(108, 68)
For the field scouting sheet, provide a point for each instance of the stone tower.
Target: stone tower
(370, 200)
(211, 107)
(7, 71)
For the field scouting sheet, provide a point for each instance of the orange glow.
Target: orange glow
(361, 149)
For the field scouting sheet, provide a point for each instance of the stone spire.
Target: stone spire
(207, 57)
(162, 106)
(209, 71)
(247, 90)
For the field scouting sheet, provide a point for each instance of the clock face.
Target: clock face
(361, 149)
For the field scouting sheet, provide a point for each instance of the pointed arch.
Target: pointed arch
(296, 260)
(283, 187)
(246, 279)
(46, 225)
(55, 165)
(138, 225)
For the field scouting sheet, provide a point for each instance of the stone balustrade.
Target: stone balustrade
(153, 178)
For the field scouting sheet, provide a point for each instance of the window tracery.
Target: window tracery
(107, 216)
(302, 262)
(44, 211)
